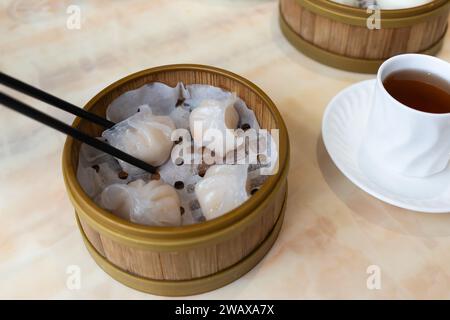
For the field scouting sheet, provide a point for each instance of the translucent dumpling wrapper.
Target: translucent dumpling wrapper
(144, 136)
(184, 176)
(223, 188)
(180, 116)
(94, 179)
(161, 97)
(257, 147)
(213, 125)
(96, 170)
(153, 203)
(197, 93)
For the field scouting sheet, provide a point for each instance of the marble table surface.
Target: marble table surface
(333, 232)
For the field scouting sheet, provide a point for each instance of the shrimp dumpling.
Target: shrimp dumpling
(223, 188)
(154, 203)
(144, 136)
(219, 115)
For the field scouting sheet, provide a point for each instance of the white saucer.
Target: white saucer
(343, 129)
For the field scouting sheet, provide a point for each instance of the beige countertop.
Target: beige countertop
(333, 231)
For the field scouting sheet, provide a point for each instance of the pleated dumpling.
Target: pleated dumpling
(153, 203)
(144, 136)
(217, 115)
(223, 188)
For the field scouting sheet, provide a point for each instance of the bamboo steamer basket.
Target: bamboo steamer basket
(337, 35)
(178, 261)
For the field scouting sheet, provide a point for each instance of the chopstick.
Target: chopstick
(47, 120)
(52, 100)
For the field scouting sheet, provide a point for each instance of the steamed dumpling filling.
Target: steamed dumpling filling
(214, 116)
(180, 193)
(144, 136)
(223, 188)
(152, 203)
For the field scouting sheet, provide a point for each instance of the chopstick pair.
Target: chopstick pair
(49, 121)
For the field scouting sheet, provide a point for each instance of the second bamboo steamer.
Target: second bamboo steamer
(339, 36)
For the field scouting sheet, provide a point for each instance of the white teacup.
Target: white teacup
(407, 141)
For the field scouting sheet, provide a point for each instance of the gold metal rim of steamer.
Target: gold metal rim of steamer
(176, 238)
(340, 61)
(389, 18)
(188, 287)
